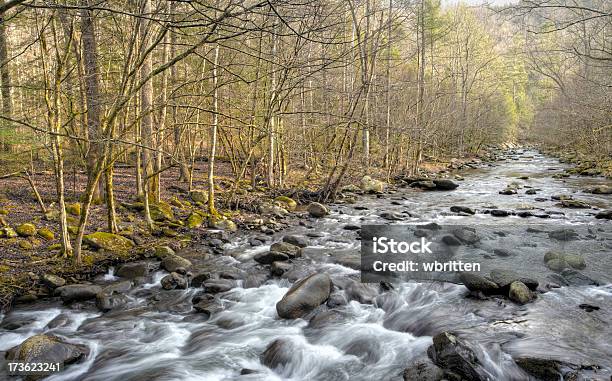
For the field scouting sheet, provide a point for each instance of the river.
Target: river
(158, 336)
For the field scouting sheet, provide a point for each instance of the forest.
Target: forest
(132, 128)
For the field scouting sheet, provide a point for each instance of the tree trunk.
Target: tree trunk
(5, 89)
(213, 136)
(146, 119)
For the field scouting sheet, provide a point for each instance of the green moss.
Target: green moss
(3, 212)
(46, 234)
(26, 230)
(4, 268)
(161, 211)
(55, 246)
(108, 241)
(194, 220)
(286, 202)
(74, 209)
(25, 245)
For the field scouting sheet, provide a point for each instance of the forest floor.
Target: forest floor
(23, 260)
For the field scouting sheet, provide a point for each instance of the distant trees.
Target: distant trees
(279, 92)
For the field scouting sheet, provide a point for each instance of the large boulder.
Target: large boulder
(305, 295)
(108, 241)
(371, 185)
(172, 263)
(445, 184)
(456, 358)
(77, 292)
(47, 349)
(317, 210)
(519, 293)
(26, 230)
(296, 240)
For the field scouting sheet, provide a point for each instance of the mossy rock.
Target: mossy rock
(48, 349)
(72, 220)
(4, 212)
(161, 211)
(55, 246)
(46, 234)
(74, 209)
(73, 230)
(194, 220)
(167, 232)
(222, 224)
(8, 232)
(26, 230)
(199, 196)
(286, 202)
(4, 268)
(108, 241)
(176, 202)
(3, 222)
(25, 245)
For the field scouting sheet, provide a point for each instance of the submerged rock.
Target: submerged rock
(304, 296)
(456, 357)
(542, 369)
(423, 370)
(317, 210)
(278, 353)
(563, 234)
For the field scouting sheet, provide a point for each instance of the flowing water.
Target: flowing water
(158, 336)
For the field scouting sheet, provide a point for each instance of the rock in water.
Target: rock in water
(108, 241)
(317, 210)
(134, 270)
(542, 369)
(504, 278)
(77, 292)
(296, 240)
(475, 282)
(278, 353)
(46, 349)
(455, 357)
(563, 235)
(604, 215)
(519, 293)
(445, 184)
(174, 280)
(305, 295)
(171, 263)
(462, 209)
(423, 370)
(601, 189)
